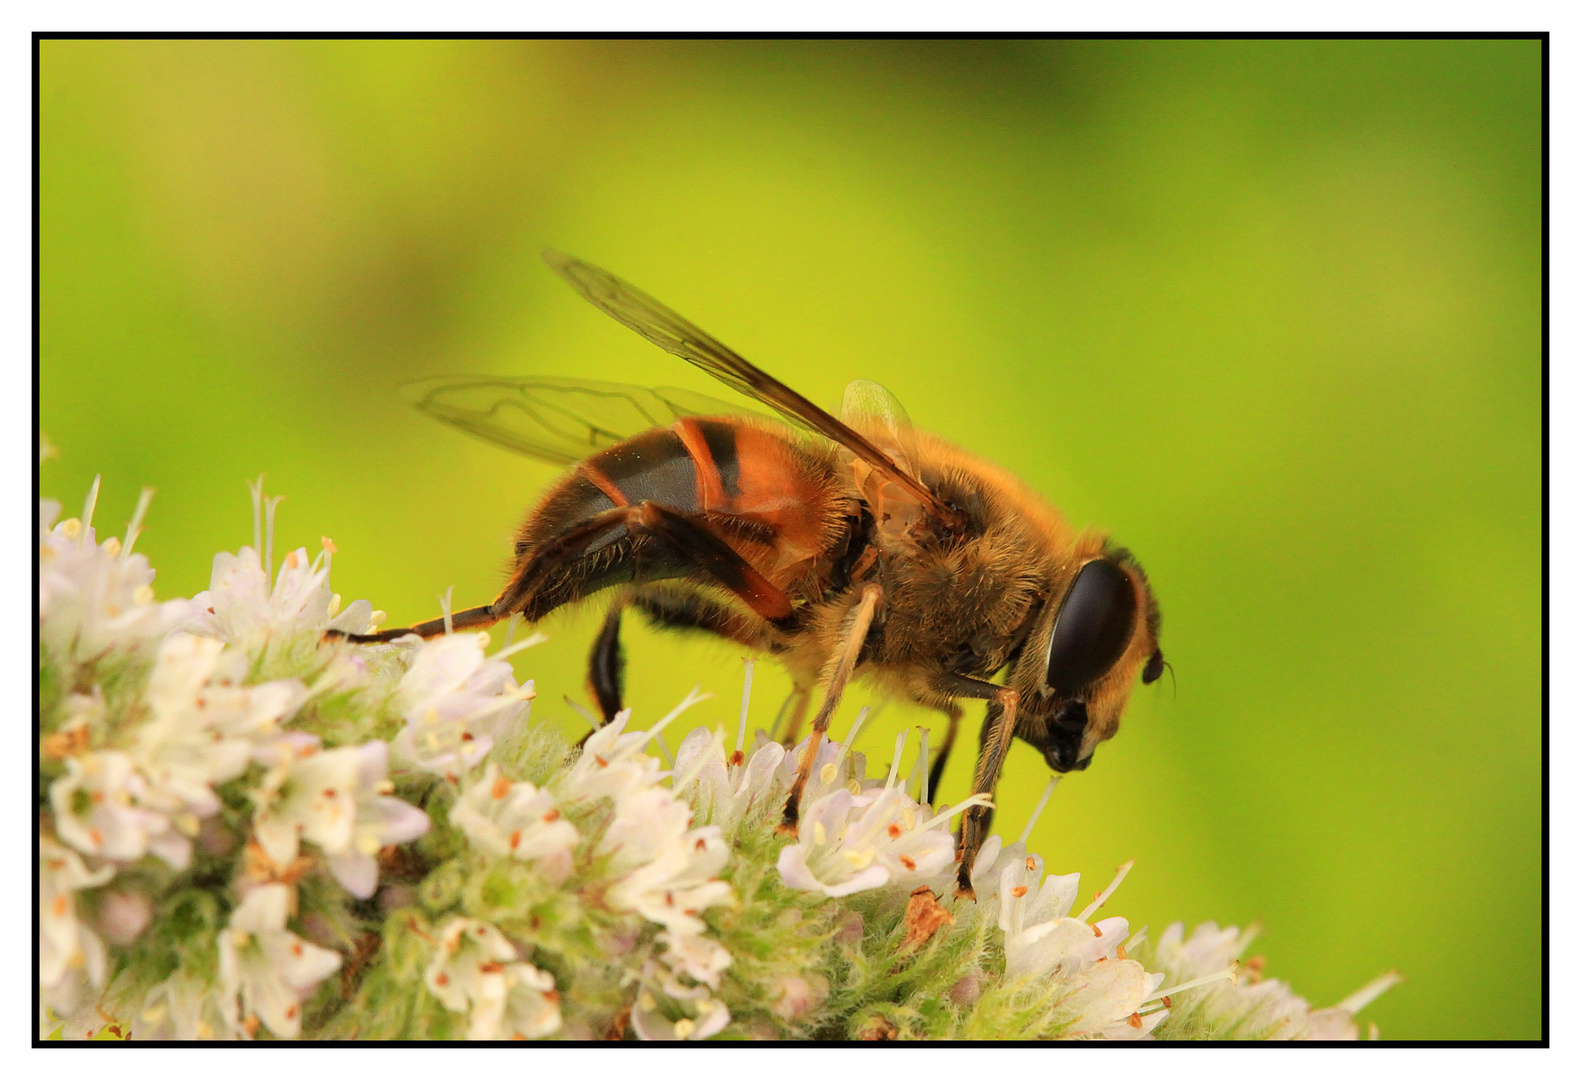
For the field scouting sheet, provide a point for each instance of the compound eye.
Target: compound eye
(1093, 627)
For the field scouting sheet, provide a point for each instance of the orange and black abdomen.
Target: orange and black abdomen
(774, 502)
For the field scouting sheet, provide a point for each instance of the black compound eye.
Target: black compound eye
(1093, 627)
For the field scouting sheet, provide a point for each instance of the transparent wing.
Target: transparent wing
(872, 410)
(635, 309)
(560, 421)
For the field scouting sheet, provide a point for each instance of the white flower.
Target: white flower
(201, 725)
(476, 970)
(241, 607)
(700, 959)
(515, 819)
(611, 764)
(722, 790)
(70, 956)
(666, 869)
(1248, 1006)
(338, 799)
(185, 1008)
(667, 1012)
(97, 810)
(265, 970)
(454, 699)
(92, 597)
(847, 843)
(532, 1004)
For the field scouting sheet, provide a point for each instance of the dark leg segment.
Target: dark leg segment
(470, 619)
(606, 667)
(936, 772)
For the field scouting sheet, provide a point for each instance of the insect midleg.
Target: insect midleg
(796, 706)
(606, 665)
(850, 649)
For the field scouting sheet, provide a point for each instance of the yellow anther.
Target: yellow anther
(112, 546)
(684, 1028)
(71, 528)
(861, 859)
(144, 594)
(820, 835)
(826, 774)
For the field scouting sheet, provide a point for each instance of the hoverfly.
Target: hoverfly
(849, 546)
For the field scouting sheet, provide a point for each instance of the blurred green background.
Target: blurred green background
(1267, 311)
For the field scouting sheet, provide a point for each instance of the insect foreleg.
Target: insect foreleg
(990, 763)
(845, 664)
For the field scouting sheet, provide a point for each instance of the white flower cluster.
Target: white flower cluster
(1250, 1006)
(220, 738)
(94, 598)
(478, 971)
(142, 779)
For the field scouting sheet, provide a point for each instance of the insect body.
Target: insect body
(849, 546)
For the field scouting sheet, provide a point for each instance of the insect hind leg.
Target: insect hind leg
(471, 619)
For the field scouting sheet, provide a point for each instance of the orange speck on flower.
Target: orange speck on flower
(1121, 952)
(97, 796)
(702, 845)
(251, 1023)
(516, 839)
(296, 948)
(502, 788)
(61, 904)
(442, 979)
(602, 764)
(493, 967)
(290, 1014)
(1097, 932)
(1019, 891)
(95, 837)
(466, 736)
(1135, 1020)
(1032, 865)
(690, 911)
(908, 862)
(552, 996)
(517, 1036)
(1167, 1003)
(329, 793)
(669, 899)
(894, 831)
(552, 815)
(738, 758)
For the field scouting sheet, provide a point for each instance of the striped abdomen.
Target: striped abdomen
(777, 504)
